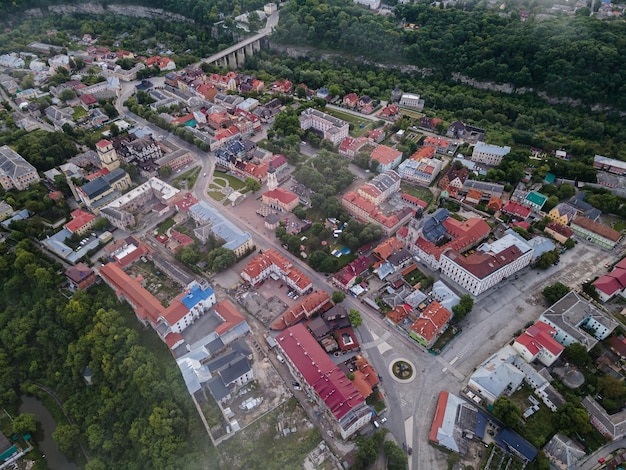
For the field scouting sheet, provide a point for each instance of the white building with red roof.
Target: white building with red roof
(538, 343)
(488, 265)
(517, 210)
(323, 380)
(613, 283)
(271, 263)
(281, 199)
(388, 158)
(81, 222)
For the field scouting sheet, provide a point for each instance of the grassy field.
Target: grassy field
(411, 113)
(217, 195)
(261, 446)
(359, 125)
(234, 183)
(165, 225)
(418, 191)
(190, 176)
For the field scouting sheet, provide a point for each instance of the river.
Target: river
(54, 458)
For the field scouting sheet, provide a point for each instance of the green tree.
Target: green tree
(355, 318)
(66, 95)
(24, 423)
(464, 307)
(101, 224)
(396, 457)
(67, 437)
(165, 171)
(571, 419)
(548, 258)
(555, 292)
(338, 297)
(221, 259)
(507, 411)
(252, 185)
(577, 354)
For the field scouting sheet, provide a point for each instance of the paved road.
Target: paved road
(591, 461)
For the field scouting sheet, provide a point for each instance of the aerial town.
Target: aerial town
(318, 271)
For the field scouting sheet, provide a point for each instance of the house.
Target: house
(538, 343)
(81, 222)
(488, 189)
(388, 158)
(327, 126)
(272, 264)
(346, 276)
(317, 301)
(430, 324)
(323, 380)
(350, 100)
(561, 233)
(229, 372)
(284, 86)
(610, 165)
(496, 376)
(421, 167)
(15, 171)
(495, 203)
(610, 426)
(454, 419)
(5, 210)
(440, 144)
(209, 220)
(563, 213)
(411, 100)
(281, 199)
(577, 320)
(80, 276)
(489, 154)
(613, 283)
(535, 200)
(517, 210)
(453, 180)
(473, 197)
(563, 453)
(595, 232)
(583, 207)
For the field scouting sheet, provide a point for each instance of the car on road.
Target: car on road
(376, 424)
(384, 420)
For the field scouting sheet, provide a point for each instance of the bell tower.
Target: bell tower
(107, 155)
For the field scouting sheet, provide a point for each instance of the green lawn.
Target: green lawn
(234, 183)
(190, 176)
(79, 112)
(217, 195)
(165, 225)
(359, 125)
(418, 191)
(411, 113)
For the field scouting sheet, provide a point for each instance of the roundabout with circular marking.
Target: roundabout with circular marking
(402, 370)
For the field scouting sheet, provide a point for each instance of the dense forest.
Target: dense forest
(137, 414)
(203, 11)
(522, 119)
(576, 57)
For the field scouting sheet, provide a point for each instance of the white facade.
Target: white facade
(476, 284)
(333, 129)
(422, 171)
(412, 101)
(489, 154)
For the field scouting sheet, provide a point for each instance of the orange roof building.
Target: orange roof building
(271, 262)
(385, 249)
(432, 322)
(318, 301)
(81, 222)
(281, 199)
(388, 158)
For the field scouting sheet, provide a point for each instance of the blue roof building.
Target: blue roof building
(197, 295)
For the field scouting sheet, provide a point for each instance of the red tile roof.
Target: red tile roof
(431, 321)
(80, 218)
(385, 155)
(597, 228)
(320, 372)
(540, 336)
(440, 414)
(563, 230)
(229, 313)
(482, 265)
(319, 300)
(283, 195)
(424, 152)
(385, 249)
(146, 306)
(515, 208)
(414, 200)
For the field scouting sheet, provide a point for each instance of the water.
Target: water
(55, 459)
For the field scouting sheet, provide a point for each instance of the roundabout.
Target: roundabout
(402, 370)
